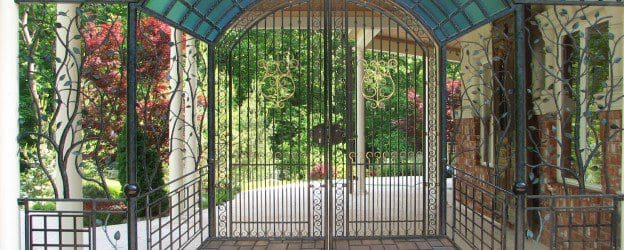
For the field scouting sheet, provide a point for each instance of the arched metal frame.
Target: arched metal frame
(416, 34)
(435, 101)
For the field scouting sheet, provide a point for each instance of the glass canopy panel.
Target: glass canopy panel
(446, 19)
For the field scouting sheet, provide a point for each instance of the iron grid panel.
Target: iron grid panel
(208, 19)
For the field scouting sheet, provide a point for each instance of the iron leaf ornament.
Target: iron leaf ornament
(277, 83)
(378, 85)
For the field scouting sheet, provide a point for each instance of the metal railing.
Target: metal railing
(575, 221)
(480, 212)
(482, 215)
(176, 220)
(75, 223)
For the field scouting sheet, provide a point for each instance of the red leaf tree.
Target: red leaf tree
(104, 88)
(413, 123)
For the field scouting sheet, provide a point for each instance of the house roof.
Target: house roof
(445, 19)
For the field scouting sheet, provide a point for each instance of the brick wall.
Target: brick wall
(468, 158)
(548, 151)
(467, 144)
(583, 224)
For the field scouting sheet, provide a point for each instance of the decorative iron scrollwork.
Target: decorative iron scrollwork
(277, 83)
(378, 84)
(317, 210)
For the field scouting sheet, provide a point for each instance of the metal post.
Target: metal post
(442, 139)
(349, 117)
(131, 189)
(327, 80)
(212, 218)
(520, 188)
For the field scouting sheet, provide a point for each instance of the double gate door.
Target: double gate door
(320, 123)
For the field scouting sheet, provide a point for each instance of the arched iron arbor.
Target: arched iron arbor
(328, 120)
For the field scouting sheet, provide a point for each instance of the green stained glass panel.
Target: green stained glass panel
(177, 12)
(474, 13)
(158, 6)
(191, 21)
(445, 18)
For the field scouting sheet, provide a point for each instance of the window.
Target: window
(585, 60)
(487, 142)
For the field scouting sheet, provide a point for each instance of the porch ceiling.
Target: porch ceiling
(446, 19)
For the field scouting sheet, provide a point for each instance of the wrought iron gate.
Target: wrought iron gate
(320, 120)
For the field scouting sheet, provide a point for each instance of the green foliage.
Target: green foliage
(115, 189)
(384, 134)
(34, 182)
(43, 206)
(102, 81)
(587, 71)
(93, 190)
(35, 66)
(149, 170)
(283, 133)
(225, 192)
(390, 167)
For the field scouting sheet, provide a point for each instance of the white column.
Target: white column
(190, 108)
(69, 115)
(67, 84)
(363, 38)
(176, 116)
(9, 179)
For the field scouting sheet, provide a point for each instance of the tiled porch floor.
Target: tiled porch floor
(396, 244)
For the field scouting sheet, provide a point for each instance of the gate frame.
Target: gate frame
(520, 187)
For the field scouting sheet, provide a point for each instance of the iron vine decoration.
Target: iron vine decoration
(378, 85)
(277, 83)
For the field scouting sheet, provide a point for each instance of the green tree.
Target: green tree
(150, 177)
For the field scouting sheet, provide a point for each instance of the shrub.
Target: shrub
(43, 206)
(115, 189)
(148, 168)
(319, 171)
(222, 192)
(93, 190)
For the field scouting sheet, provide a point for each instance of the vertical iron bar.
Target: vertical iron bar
(454, 206)
(327, 80)
(615, 218)
(425, 176)
(442, 138)
(199, 203)
(349, 101)
(349, 117)
(553, 224)
(212, 218)
(309, 98)
(520, 70)
(230, 144)
(93, 225)
(504, 219)
(27, 224)
(131, 135)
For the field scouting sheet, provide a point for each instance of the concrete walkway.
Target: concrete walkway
(391, 206)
